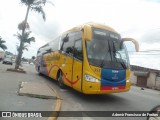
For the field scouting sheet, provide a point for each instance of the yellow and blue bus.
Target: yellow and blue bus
(90, 58)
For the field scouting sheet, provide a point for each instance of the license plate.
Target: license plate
(112, 88)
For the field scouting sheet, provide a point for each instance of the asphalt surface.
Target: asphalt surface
(134, 100)
(11, 101)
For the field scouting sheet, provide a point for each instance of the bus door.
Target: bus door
(72, 59)
(67, 58)
(77, 62)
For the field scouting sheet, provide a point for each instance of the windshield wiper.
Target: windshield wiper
(121, 60)
(123, 64)
(113, 56)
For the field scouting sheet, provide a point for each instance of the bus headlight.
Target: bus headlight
(128, 80)
(90, 78)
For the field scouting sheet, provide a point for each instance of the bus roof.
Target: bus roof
(92, 24)
(80, 27)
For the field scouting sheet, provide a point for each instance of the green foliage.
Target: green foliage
(2, 45)
(22, 26)
(25, 47)
(25, 38)
(33, 2)
(39, 9)
(36, 5)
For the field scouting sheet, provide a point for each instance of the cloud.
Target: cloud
(149, 60)
(131, 18)
(156, 1)
(151, 36)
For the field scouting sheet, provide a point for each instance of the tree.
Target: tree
(22, 26)
(25, 47)
(2, 45)
(25, 39)
(34, 5)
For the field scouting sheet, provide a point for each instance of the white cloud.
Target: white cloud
(138, 19)
(146, 60)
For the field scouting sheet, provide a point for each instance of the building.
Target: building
(145, 77)
(1, 55)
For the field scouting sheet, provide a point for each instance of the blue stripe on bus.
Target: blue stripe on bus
(113, 77)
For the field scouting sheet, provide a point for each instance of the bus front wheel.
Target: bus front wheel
(61, 80)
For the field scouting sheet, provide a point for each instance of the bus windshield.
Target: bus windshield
(106, 50)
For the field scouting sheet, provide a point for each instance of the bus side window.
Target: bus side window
(68, 44)
(78, 53)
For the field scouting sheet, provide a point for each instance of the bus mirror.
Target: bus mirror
(87, 32)
(132, 40)
(65, 39)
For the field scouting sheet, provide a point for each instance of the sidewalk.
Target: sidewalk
(25, 92)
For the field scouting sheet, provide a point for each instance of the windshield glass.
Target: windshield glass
(106, 50)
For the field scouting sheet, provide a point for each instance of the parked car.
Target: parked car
(7, 60)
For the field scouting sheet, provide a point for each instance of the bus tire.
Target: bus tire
(61, 80)
(39, 73)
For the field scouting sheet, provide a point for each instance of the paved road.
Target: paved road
(11, 101)
(134, 100)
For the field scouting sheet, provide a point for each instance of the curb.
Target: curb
(57, 106)
(32, 89)
(16, 70)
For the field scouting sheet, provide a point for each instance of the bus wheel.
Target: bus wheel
(61, 80)
(39, 70)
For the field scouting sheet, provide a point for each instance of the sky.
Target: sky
(138, 19)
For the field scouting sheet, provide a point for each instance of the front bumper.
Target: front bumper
(107, 91)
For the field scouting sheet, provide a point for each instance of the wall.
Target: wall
(158, 83)
(133, 78)
(153, 81)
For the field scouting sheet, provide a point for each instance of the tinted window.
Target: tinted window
(77, 36)
(78, 50)
(68, 44)
(105, 50)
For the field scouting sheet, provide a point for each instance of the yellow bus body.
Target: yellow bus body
(74, 71)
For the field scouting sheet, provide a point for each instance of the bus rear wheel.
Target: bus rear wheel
(39, 71)
(61, 80)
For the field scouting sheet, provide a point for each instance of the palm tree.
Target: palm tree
(25, 38)
(22, 26)
(2, 45)
(34, 5)
(25, 47)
